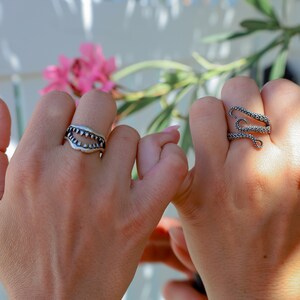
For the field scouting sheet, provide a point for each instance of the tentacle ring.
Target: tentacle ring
(73, 134)
(244, 131)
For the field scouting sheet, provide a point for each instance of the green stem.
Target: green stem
(18, 100)
(163, 101)
(182, 93)
(291, 31)
(187, 81)
(179, 116)
(152, 64)
(203, 62)
(240, 64)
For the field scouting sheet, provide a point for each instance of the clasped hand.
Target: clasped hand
(75, 226)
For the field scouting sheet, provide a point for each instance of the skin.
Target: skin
(232, 199)
(5, 122)
(167, 245)
(239, 206)
(65, 215)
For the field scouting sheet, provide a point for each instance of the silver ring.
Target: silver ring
(98, 141)
(243, 131)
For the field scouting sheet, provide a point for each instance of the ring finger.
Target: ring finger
(242, 92)
(96, 112)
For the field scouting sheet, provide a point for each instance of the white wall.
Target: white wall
(34, 32)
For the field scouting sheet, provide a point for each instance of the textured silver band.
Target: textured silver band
(243, 131)
(98, 141)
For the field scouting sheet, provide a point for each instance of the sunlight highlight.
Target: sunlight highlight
(87, 16)
(10, 56)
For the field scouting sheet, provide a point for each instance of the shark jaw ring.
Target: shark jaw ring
(244, 131)
(97, 140)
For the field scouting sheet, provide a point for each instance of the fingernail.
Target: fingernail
(171, 128)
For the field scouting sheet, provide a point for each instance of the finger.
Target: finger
(242, 91)
(209, 133)
(150, 148)
(181, 290)
(285, 121)
(5, 127)
(48, 123)
(97, 111)
(154, 192)
(161, 252)
(161, 232)
(120, 154)
(158, 248)
(180, 249)
(5, 122)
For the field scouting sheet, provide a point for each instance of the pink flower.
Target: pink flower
(95, 70)
(57, 76)
(89, 71)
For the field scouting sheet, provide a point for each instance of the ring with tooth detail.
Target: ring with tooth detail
(98, 144)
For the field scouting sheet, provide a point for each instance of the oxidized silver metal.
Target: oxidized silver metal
(75, 131)
(243, 131)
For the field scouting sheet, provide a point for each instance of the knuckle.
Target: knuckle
(99, 98)
(127, 134)
(238, 83)
(280, 86)
(94, 93)
(55, 98)
(56, 102)
(150, 140)
(177, 161)
(204, 107)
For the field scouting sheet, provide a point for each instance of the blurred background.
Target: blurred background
(34, 33)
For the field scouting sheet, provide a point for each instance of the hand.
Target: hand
(161, 247)
(167, 245)
(4, 142)
(73, 225)
(240, 206)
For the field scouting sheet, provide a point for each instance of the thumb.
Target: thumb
(161, 175)
(181, 290)
(180, 249)
(150, 147)
(5, 122)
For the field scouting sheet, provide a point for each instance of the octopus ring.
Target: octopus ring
(73, 134)
(244, 131)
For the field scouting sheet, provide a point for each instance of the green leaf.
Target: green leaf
(186, 140)
(128, 108)
(278, 67)
(253, 25)
(162, 120)
(221, 37)
(265, 7)
(134, 173)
